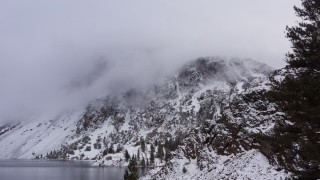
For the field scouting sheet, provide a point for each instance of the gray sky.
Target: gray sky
(47, 45)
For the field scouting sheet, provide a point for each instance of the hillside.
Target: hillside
(204, 122)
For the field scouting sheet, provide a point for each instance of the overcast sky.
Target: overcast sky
(47, 45)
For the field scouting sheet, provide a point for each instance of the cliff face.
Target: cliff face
(203, 122)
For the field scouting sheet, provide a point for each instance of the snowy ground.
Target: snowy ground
(38, 135)
(249, 165)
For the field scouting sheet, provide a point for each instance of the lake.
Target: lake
(58, 170)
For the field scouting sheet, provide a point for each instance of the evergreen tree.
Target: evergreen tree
(143, 162)
(127, 155)
(171, 144)
(119, 148)
(167, 155)
(111, 149)
(298, 95)
(126, 175)
(152, 154)
(143, 145)
(132, 171)
(160, 152)
(184, 170)
(138, 155)
(305, 37)
(105, 141)
(105, 152)
(167, 143)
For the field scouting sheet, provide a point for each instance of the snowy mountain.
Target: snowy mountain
(204, 122)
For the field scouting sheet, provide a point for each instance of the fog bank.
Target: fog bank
(62, 53)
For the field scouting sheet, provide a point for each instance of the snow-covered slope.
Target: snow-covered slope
(248, 165)
(38, 135)
(205, 116)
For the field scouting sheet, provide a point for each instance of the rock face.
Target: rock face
(207, 117)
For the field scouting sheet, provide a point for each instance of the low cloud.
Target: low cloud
(55, 54)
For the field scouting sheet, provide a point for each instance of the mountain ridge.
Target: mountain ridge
(212, 105)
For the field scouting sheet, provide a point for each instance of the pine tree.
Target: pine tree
(119, 148)
(160, 152)
(127, 155)
(152, 154)
(298, 96)
(126, 175)
(143, 162)
(105, 152)
(184, 170)
(167, 155)
(301, 94)
(138, 155)
(111, 149)
(132, 171)
(305, 37)
(143, 145)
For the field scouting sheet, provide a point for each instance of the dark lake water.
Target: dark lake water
(57, 170)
